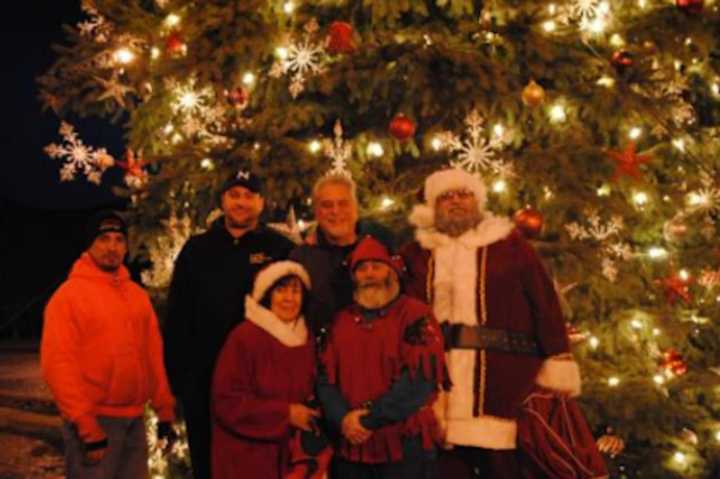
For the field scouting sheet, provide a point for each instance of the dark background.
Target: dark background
(42, 220)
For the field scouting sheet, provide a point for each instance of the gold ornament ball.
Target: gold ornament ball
(533, 94)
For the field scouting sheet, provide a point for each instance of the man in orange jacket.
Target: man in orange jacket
(101, 355)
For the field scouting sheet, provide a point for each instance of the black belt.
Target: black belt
(460, 336)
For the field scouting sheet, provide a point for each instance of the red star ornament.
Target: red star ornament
(675, 288)
(627, 162)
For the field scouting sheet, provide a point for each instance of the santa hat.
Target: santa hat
(268, 276)
(436, 184)
(370, 249)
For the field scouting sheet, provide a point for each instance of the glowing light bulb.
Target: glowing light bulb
(386, 202)
(606, 81)
(549, 26)
(248, 79)
(168, 129)
(314, 146)
(552, 9)
(635, 133)
(717, 436)
(594, 342)
(375, 149)
(281, 52)
(656, 252)
(172, 20)
(715, 88)
(636, 324)
(302, 225)
(697, 199)
(154, 53)
(679, 457)
(436, 144)
(557, 114)
(679, 144)
(207, 164)
(597, 25)
(499, 186)
(124, 56)
(640, 198)
(189, 100)
(659, 379)
(617, 40)
(604, 190)
(288, 7)
(604, 8)
(684, 274)
(642, 3)
(656, 332)
(613, 381)
(499, 129)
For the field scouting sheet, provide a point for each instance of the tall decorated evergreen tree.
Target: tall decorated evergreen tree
(594, 123)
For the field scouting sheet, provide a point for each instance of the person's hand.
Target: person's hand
(353, 430)
(95, 452)
(610, 445)
(166, 437)
(302, 416)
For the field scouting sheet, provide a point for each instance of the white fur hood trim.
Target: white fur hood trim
(270, 274)
(291, 335)
(491, 229)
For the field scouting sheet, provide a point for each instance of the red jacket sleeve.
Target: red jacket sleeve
(235, 402)
(162, 399)
(60, 363)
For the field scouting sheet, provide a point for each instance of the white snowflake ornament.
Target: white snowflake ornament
(476, 152)
(301, 59)
(79, 158)
(339, 151)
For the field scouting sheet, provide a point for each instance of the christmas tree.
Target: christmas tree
(594, 123)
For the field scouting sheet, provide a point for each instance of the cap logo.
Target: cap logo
(242, 175)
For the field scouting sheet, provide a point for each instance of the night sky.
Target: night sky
(41, 219)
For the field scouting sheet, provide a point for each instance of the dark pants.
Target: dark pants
(416, 464)
(125, 457)
(196, 412)
(474, 462)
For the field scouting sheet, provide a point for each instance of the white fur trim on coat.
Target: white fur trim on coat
(488, 231)
(270, 274)
(561, 375)
(453, 179)
(489, 432)
(290, 334)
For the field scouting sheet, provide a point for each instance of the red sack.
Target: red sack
(554, 435)
(310, 456)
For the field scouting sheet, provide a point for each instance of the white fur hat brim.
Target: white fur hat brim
(454, 179)
(270, 274)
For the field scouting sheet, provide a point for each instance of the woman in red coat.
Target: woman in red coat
(264, 373)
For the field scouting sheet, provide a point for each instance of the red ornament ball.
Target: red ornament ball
(402, 127)
(174, 44)
(340, 38)
(672, 361)
(529, 221)
(621, 60)
(238, 97)
(690, 6)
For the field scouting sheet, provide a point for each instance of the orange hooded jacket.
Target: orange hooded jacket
(101, 351)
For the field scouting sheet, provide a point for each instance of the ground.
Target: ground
(30, 444)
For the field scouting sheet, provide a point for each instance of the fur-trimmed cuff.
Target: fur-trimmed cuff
(561, 375)
(488, 432)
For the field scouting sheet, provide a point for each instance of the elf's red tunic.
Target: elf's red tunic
(256, 379)
(364, 358)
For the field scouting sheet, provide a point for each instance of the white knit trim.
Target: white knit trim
(491, 229)
(560, 375)
(290, 334)
(489, 432)
(454, 179)
(270, 274)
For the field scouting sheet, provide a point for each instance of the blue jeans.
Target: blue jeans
(126, 456)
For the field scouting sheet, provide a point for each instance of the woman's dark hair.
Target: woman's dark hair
(284, 281)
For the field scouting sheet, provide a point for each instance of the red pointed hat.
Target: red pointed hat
(370, 249)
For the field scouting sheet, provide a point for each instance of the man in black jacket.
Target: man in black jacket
(212, 275)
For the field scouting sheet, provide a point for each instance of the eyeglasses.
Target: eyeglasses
(455, 194)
